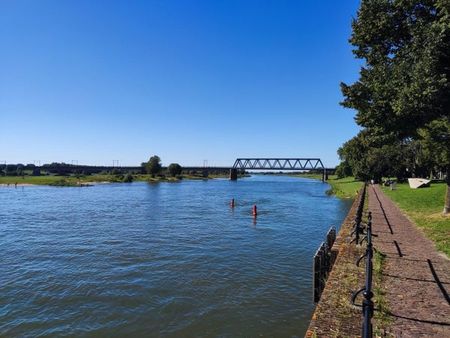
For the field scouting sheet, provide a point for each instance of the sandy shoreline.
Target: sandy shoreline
(79, 184)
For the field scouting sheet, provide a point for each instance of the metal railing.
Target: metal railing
(367, 303)
(358, 230)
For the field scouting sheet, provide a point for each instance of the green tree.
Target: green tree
(153, 165)
(11, 170)
(405, 83)
(354, 153)
(435, 142)
(374, 157)
(174, 169)
(343, 170)
(19, 171)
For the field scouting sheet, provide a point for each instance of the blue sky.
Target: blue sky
(96, 81)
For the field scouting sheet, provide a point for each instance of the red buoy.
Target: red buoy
(254, 211)
(232, 203)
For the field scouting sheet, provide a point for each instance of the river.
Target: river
(162, 260)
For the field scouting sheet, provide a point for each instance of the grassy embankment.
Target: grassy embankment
(86, 179)
(424, 206)
(346, 187)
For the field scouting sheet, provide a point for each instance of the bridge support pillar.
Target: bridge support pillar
(233, 174)
(324, 175)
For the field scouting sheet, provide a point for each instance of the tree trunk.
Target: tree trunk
(447, 197)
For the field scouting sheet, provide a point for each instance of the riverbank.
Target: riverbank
(403, 260)
(423, 206)
(346, 187)
(83, 180)
(334, 315)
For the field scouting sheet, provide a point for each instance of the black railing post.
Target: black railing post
(357, 229)
(367, 303)
(368, 294)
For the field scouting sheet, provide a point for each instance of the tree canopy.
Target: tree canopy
(402, 96)
(153, 166)
(174, 169)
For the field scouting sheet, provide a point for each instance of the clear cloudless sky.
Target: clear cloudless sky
(97, 81)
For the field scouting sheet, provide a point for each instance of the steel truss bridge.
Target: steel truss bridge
(278, 164)
(240, 165)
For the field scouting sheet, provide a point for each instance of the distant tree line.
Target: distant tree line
(402, 96)
(153, 167)
(18, 169)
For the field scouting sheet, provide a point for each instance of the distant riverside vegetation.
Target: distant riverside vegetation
(402, 96)
(60, 173)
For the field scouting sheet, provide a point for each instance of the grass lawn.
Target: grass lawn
(40, 180)
(424, 206)
(346, 187)
(308, 175)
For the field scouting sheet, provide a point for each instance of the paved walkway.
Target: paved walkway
(416, 277)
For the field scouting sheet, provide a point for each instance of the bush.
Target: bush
(116, 171)
(128, 178)
(153, 166)
(174, 169)
(343, 170)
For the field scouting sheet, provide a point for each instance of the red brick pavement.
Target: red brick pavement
(416, 277)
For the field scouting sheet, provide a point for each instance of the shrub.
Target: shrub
(174, 169)
(128, 178)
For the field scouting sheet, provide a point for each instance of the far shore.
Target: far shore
(95, 179)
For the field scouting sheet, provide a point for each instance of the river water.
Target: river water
(162, 260)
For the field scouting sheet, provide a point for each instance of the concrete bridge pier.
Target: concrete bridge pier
(324, 175)
(233, 174)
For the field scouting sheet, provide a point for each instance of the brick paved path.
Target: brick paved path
(416, 277)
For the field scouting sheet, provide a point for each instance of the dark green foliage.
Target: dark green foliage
(36, 172)
(402, 97)
(128, 178)
(11, 170)
(405, 82)
(153, 166)
(343, 170)
(435, 143)
(174, 169)
(116, 171)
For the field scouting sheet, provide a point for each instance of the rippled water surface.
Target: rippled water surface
(168, 259)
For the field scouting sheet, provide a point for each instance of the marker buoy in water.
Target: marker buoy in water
(232, 203)
(254, 211)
